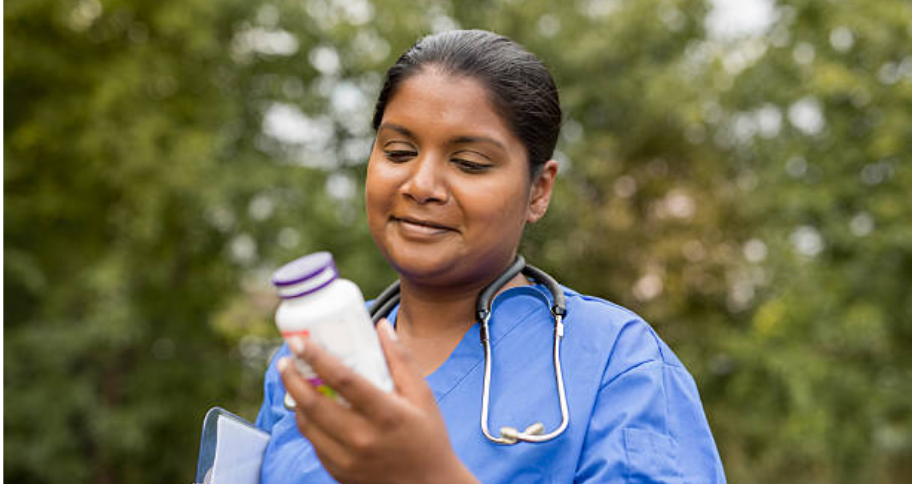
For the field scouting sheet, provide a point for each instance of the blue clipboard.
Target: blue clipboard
(231, 450)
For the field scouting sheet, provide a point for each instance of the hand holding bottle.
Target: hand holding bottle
(378, 437)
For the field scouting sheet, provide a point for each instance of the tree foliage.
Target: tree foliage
(746, 192)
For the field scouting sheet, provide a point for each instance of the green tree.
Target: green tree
(820, 122)
(140, 198)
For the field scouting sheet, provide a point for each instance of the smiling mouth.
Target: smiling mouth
(422, 226)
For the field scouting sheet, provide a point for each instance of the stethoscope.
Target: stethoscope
(389, 298)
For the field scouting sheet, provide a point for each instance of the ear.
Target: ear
(540, 194)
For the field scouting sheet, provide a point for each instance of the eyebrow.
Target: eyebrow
(478, 139)
(459, 140)
(400, 129)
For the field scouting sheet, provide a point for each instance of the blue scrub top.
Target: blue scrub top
(635, 414)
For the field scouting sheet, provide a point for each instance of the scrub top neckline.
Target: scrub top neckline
(469, 353)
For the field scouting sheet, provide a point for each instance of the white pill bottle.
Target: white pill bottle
(330, 311)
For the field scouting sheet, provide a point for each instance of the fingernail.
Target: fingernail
(289, 402)
(390, 331)
(282, 364)
(297, 345)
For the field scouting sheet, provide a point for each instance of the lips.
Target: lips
(425, 223)
(416, 227)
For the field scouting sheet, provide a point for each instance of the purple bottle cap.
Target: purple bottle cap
(305, 275)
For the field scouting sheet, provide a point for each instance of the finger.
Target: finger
(363, 395)
(404, 370)
(319, 410)
(336, 457)
(330, 451)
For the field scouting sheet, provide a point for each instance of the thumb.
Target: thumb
(404, 370)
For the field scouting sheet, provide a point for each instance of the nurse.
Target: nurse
(466, 125)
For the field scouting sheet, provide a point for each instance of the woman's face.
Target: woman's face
(448, 189)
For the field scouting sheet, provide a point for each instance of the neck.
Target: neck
(438, 312)
(431, 322)
(430, 311)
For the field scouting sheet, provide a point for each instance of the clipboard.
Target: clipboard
(231, 449)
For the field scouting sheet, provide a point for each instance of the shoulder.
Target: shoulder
(622, 337)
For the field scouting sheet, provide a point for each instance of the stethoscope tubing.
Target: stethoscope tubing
(534, 433)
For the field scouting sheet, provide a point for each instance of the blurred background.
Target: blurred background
(738, 172)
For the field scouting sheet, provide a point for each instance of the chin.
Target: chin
(420, 261)
(427, 265)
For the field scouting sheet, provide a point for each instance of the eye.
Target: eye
(471, 167)
(471, 161)
(399, 156)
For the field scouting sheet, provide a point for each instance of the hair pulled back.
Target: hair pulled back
(520, 86)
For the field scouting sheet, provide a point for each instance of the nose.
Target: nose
(425, 183)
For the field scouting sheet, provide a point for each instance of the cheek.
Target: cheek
(500, 208)
(374, 203)
(377, 187)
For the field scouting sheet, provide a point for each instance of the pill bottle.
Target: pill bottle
(331, 312)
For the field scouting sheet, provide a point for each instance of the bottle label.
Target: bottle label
(300, 332)
(305, 370)
(343, 328)
(311, 377)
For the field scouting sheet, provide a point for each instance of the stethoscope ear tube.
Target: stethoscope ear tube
(385, 302)
(559, 305)
(483, 303)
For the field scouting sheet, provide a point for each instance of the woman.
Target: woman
(466, 125)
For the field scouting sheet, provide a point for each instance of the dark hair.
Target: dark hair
(520, 86)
